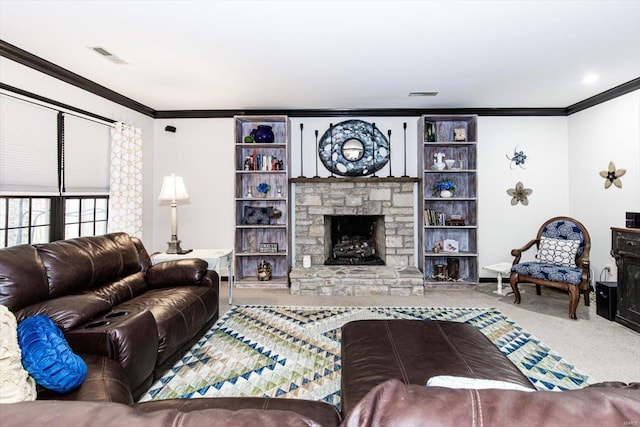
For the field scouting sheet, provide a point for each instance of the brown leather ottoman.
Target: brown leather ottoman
(413, 351)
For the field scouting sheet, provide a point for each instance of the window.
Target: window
(54, 174)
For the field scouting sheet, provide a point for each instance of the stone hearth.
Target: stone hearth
(392, 198)
(356, 280)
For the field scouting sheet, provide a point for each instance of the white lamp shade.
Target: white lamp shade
(173, 189)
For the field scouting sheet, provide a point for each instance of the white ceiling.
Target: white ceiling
(336, 54)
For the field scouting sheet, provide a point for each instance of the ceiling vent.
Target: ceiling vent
(108, 55)
(423, 93)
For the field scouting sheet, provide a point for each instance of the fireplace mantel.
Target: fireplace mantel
(370, 179)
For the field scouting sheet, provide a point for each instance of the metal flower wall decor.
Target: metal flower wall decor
(518, 158)
(519, 194)
(612, 176)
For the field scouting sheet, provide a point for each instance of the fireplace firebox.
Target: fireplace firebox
(354, 240)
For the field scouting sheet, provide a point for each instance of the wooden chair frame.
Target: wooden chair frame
(582, 262)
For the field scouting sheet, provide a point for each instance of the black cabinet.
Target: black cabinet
(625, 248)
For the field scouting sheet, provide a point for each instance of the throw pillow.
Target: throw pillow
(15, 383)
(257, 216)
(558, 251)
(46, 355)
(449, 381)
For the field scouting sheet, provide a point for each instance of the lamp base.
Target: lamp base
(174, 248)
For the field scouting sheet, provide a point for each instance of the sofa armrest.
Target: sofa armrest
(183, 272)
(129, 338)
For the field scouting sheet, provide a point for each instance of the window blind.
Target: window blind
(28, 148)
(86, 156)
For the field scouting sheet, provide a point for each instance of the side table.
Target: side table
(500, 269)
(217, 259)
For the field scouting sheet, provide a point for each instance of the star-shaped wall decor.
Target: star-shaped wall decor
(519, 194)
(612, 176)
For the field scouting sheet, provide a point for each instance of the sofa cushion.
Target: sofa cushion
(22, 277)
(183, 272)
(121, 290)
(394, 404)
(48, 357)
(98, 414)
(106, 381)
(96, 260)
(550, 272)
(67, 312)
(179, 312)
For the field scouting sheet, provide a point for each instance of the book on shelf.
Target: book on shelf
(433, 217)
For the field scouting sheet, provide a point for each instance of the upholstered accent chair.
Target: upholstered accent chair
(562, 261)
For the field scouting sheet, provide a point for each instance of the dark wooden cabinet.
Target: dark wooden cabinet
(625, 248)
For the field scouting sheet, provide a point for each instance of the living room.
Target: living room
(567, 143)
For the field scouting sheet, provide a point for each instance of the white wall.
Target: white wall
(607, 132)
(201, 151)
(22, 77)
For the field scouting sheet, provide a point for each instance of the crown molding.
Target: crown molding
(607, 95)
(49, 68)
(39, 64)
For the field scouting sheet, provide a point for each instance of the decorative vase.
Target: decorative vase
(264, 271)
(438, 163)
(446, 193)
(263, 195)
(279, 191)
(449, 163)
(263, 134)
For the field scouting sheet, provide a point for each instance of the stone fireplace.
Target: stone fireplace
(354, 240)
(377, 216)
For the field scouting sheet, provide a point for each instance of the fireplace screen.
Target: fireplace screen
(354, 240)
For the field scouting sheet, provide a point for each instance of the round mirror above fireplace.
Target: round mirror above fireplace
(353, 148)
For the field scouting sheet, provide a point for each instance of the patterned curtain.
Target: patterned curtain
(125, 198)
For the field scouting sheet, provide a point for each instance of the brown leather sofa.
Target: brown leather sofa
(113, 306)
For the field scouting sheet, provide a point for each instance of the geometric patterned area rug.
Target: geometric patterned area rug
(294, 352)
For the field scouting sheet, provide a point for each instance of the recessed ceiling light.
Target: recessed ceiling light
(590, 78)
(423, 93)
(108, 55)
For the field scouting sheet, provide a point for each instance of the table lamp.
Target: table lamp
(173, 189)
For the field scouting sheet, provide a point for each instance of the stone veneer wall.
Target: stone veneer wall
(393, 199)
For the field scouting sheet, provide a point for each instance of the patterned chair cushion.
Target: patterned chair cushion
(558, 251)
(568, 230)
(550, 272)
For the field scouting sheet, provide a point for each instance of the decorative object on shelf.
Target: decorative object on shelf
(612, 176)
(279, 190)
(253, 215)
(173, 189)
(450, 245)
(459, 134)
(301, 154)
(263, 134)
(438, 163)
(439, 272)
(389, 137)
(437, 247)
(430, 132)
(455, 222)
(519, 194)
(263, 188)
(249, 193)
(275, 213)
(404, 131)
(449, 163)
(317, 151)
(518, 158)
(444, 188)
(252, 242)
(248, 139)
(453, 268)
(268, 248)
(353, 148)
(264, 271)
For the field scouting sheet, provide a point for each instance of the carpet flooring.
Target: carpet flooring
(294, 352)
